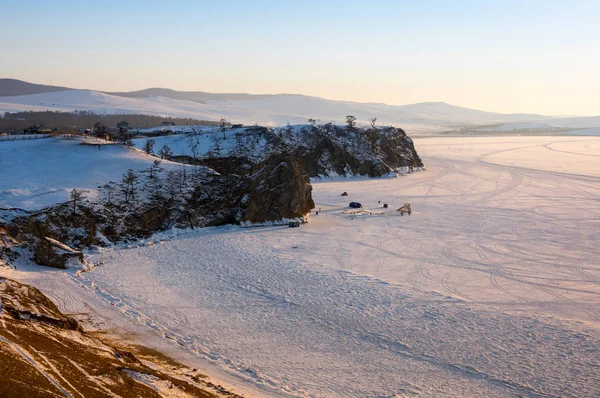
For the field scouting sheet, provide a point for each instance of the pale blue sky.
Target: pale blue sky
(505, 56)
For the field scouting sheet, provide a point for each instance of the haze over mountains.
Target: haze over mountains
(277, 109)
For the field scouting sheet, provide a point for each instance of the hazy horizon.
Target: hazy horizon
(537, 57)
(298, 94)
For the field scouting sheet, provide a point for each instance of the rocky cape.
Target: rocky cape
(274, 188)
(322, 150)
(261, 175)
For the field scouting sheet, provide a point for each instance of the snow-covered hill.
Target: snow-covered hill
(39, 173)
(275, 110)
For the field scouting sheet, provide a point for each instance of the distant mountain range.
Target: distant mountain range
(278, 109)
(195, 96)
(13, 87)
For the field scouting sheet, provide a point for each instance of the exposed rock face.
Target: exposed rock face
(24, 302)
(321, 150)
(275, 188)
(261, 175)
(7, 243)
(223, 165)
(280, 189)
(58, 223)
(49, 255)
(327, 150)
(44, 352)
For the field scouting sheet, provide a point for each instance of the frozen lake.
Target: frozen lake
(491, 288)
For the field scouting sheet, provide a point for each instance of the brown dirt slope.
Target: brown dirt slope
(44, 353)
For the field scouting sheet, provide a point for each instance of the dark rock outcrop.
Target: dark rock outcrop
(280, 188)
(327, 150)
(49, 255)
(23, 302)
(270, 190)
(256, 175)
(321, 150)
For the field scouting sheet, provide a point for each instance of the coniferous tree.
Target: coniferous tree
(77, 195)
(149, 147)
(165, 152)
(108, 191)
(129, 185)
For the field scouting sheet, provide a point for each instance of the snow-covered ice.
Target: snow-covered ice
(491, 288)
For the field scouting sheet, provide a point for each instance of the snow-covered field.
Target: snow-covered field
(180, 143)
(491, 288)
(38, 173)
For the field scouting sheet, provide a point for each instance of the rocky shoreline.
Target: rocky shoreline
(263, 177)
(44, 352)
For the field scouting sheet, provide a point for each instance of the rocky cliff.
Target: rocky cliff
(273, 189)
(322, 150)
(280, 188)
(251, 175)
(333, 150)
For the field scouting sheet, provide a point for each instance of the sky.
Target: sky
(502, 56)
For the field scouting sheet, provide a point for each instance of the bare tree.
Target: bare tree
(165, 152)
(108, 190)
(196, 130)
(184, 171)
(240, 147)
(216, 139)
(223, 126)
(149, 147)
(125, 140)
(173, 184)
(154, 169)
(373, 120)
(154, 185)
(129, 184)
(351, 122)
(77, 195)
(194, 146)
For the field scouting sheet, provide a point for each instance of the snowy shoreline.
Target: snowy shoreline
(488, 289)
